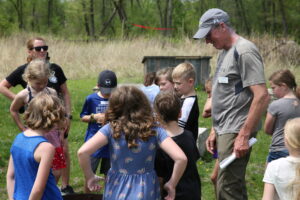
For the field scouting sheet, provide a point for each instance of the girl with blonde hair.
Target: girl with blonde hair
(36, 75)
(282, 176)
(29, 175)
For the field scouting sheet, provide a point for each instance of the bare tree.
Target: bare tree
(18, 5)
(284, 21)
(92, 18)
(49, 13)
(85, 18)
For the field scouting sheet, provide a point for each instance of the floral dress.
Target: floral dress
(132, 174)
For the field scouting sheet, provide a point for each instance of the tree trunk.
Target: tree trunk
(169, 17)
(161, 16)
(244, 17)
(265, 15)
(85, 18)
(106, 24)
(284, 21)
(49, 14)
(18, 5)
(92, 18)
(33, 20)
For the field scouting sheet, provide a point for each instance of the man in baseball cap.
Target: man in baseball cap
(210, 19)
(239, 98)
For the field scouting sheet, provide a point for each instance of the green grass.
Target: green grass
(79, 90)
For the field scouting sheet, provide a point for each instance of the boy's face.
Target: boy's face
(164, 84)
(183, 86)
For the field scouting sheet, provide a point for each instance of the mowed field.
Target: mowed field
(82, 62)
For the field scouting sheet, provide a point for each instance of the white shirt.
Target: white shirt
(281, 173)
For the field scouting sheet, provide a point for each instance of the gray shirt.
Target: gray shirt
(282, 110)
(237, 68)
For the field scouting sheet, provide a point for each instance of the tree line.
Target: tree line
(96, 19)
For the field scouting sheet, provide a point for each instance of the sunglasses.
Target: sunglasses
(45, 48)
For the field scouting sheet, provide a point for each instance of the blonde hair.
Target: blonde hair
(184, 71)
(130, 114)
(164, 72)
(44, 112)
(292, 138)
(36, 69)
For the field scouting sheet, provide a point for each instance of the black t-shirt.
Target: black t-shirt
(189, 115)
(189, 186)
(56, 79)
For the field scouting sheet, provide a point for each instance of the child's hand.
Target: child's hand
(99, 117)
(171, 191)
(93, 183)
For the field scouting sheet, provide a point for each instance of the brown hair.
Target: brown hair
(164, 71)
(129, 113)
(285, 76)
(30, 46)
(292, 138)
(185, 71)
(167, 106)
(44, 112)
(149, 78)
(36, 69)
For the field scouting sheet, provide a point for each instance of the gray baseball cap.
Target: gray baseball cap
(209, 19)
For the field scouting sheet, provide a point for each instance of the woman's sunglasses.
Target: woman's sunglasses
(45, 48)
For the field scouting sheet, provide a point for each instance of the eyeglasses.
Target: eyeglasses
(45, 48)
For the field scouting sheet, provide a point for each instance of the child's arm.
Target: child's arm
(10, 179)
(211, 141)
(180, 161)
(269, 192)
(84, 153)
(44, 155)
(16, 104)
(269, 124)
(99, 118)
(207, 108)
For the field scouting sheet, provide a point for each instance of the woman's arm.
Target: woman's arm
(10, 178)
(44, 155)
(269, 192)
(180, 162)
(84, 153)
(4, 89)
(269, 124)
(16, 104)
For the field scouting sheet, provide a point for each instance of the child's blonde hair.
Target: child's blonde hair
(129, 113)
(185, 71)
(44, 112)
(292, 138)
(164, 72)
(36, 69)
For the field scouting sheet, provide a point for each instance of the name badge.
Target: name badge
(223, 79)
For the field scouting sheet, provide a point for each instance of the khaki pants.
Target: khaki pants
(231, 183)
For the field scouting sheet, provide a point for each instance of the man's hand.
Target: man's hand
(241, 146)
(211, 141)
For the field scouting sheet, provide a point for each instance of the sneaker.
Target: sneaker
(67, 190)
